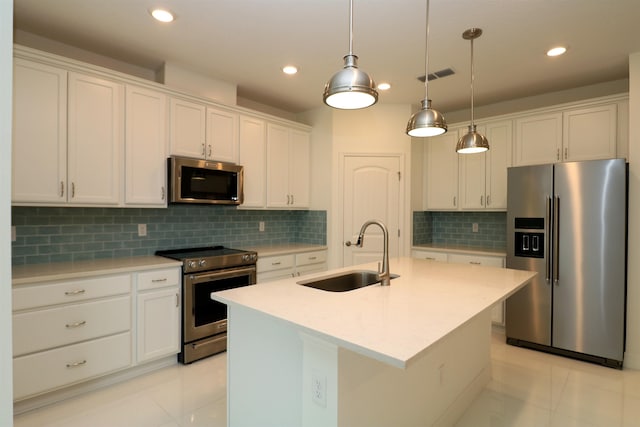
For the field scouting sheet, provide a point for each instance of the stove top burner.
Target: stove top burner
(210, 257)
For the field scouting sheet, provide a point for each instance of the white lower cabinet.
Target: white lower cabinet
(283, 266)
(497, 313)
(158, 314)
(69, 331)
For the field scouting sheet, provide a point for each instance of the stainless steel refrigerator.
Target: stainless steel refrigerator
(567, 221)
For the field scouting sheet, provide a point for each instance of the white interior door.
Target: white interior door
(371, 191)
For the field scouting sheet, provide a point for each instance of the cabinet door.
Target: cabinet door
(145, 147)
(278, 195)
(39, 151)
(299, 168)
(95, 139)
(442, 172)
(186, 128)
(253, 158)
(158, 323)
(538, 139)
(472, 177)
(590, 133)
(222, 135)
(498, 159)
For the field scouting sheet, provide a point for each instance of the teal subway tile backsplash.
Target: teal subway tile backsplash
(455, 228)
(71, 234)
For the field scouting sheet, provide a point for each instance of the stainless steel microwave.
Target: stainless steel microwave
(204, 181)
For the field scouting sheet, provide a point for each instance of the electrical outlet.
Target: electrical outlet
(142, 230)
(319, 389)
(13, 233)
(261, 226)
(474, 227)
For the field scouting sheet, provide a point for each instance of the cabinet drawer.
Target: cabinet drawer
(433, 256)
(51, 369)
(69, 291)
(477, 259)
(158, 279)
(314, 257)
(272, 263)
(43, 329)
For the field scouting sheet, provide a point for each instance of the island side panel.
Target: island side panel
(264, 370)
(434, 389)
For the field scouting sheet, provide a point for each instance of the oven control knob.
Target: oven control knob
(202, 263)
(191, 264)
(254, 257)
(245, 257)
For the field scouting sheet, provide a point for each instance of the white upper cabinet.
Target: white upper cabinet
(68, 137)
(585, 133)
(203, 132)
(95, 136)
(538, 139)
(187, 127)
(441, 164)
(253, 159)
(39, 153)
(222, 135)
(288, 160)
(145, 147)
(483, 177)
(590, 133)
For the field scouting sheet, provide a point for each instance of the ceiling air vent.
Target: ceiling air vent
(438, 74)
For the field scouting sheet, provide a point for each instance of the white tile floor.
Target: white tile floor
(528, 388)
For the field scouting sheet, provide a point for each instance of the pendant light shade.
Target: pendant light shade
(472, 141)
(350, 88)
(426, 121)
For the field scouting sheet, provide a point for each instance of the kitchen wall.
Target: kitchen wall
(72, 234)
(455, 229)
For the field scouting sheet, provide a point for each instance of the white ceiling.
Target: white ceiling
(247, 42)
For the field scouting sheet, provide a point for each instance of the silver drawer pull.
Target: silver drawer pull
(75, 324)
(430, 258)
(76, 292)
(76, 364)
(276, 263)
(312, 258)
(158, 280)
(475, 263)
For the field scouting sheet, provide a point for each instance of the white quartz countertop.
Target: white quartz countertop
(289, 248)
(460, 249)
(35, 273)
(393, 324)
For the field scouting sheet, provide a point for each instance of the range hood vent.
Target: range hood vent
(438, 74)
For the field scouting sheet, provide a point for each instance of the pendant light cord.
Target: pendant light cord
(472, 82)
(426, 57)
(350, 27)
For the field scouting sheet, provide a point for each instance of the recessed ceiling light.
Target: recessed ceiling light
(289, 69)
(556, 51)
(162, 15)
(384, 86)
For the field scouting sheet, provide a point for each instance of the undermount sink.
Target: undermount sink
(341, 282)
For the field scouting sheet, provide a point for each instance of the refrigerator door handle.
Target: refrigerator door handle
(547, 271)
(556, 240)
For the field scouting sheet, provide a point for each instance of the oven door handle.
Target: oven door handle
(226, 273)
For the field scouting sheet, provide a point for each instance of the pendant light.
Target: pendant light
(350, 88)
(426, 121)
(473, 141)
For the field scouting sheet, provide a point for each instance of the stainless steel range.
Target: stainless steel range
(206, 270)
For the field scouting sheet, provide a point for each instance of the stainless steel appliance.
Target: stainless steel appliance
(206, 270)
(204, 181)
(568, 222)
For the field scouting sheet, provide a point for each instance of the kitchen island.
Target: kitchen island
(415, 353)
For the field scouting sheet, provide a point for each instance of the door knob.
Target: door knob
(347, 243)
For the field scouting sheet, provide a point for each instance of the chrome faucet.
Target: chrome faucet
(383, 274)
